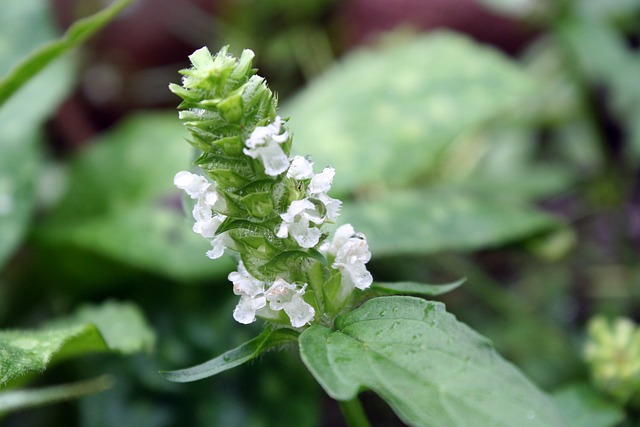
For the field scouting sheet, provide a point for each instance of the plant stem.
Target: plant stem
(353, 413)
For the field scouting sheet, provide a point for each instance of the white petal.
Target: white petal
(245, 284)
(219, 244)
(201, 211)
(212, 198)
(359, 275)
(321, 183)
(299, 311)
(208, 228)
(273, 158)
(296, 208)
(340, 237)
(355, 250)
(279, 293)
(245, 311)
(264, 142)
(300, 168)
(283, 231)
(331, 205)
(194, 185)
(306, 236)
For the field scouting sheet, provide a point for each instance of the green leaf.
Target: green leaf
(122, 204)
(432, 370)
(603, 54)
(111, 327)
(412, 288)
(581, 406)
(22, 116)
(439, 219)
(268, 339)
(122, 325)
(22, 351)
(20, 399)
(384, 116)
(39, 59)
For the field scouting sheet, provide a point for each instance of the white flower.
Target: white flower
(331, 205)
(297, 223)
(319, 187)
(245, 311)
(286, 296)
(209, 201)
(321, 182)
(194, 185)
(279, 296)
(244, 283)
(302, 209)
(207, 222)
(251, 291)
(351, 254)
(340, 237)
(300, 168)
(264, 142)
(220, 243)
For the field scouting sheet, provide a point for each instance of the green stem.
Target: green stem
(353, 413)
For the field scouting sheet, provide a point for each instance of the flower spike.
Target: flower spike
(261, 204)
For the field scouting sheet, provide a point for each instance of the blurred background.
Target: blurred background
(496, 140)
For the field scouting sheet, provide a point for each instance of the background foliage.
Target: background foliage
(513, 163)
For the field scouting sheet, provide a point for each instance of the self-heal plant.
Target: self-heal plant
(261, 205)
(272, 210)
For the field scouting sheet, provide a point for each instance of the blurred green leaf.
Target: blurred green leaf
(620, 12)
(122, 325)
(581, 406)
(20, 399)
(75, 35)
(19, 39)
(22, 351)
(110, 327)
(268, 339)
(386, 115)
(431, 369)
(602, 53)
(502, 159)
(439, 219)
(22, 116)
(121, 202)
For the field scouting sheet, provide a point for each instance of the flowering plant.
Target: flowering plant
(266, 208)
(271, 211)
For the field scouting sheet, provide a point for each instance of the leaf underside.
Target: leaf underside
(413, 288)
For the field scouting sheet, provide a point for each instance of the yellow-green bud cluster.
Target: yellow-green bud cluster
(613, 354)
